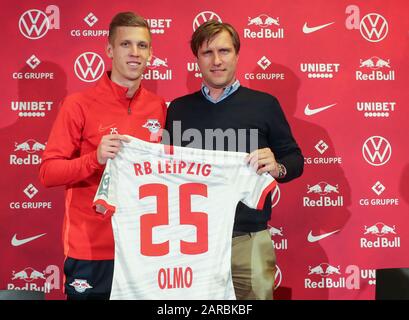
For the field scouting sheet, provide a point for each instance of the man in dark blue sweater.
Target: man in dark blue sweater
(224, 115)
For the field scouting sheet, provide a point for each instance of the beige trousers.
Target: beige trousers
(253, 266)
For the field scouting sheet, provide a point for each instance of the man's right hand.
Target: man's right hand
(109, 146)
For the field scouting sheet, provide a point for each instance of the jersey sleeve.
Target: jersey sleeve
(60, 162)
(105, 201)
(253, 188)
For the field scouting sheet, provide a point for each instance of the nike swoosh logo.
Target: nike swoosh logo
(101, 128)
(307, 29)
(312, 238)
(310, 112)
(18, 242)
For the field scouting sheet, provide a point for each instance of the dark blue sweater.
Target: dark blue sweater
(237, 117)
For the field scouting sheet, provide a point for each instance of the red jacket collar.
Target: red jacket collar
(117, 90)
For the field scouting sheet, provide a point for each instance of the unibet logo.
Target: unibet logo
(194, 67)
(31, 108)
(158, 26)
(376, 109)
(320, 70)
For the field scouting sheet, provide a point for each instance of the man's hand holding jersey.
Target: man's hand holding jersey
(109, 146)
(263, 160)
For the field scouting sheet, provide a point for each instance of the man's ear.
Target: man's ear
(109, 50)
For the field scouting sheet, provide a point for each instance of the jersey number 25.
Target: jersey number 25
(160, 218)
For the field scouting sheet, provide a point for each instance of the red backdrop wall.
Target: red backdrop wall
(340, 71)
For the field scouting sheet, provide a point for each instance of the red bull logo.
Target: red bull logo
(264, 21)
(325, 270)
(29, 146)
(375, 64)
(332, 277)
(28, 274)
(157, 62)
(380, 229)
(80, 285)
(158, 69)
(323, 189)
(50, 278)
(278, 244)
(274, 231)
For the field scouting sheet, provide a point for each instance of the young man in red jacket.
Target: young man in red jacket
(88, 131)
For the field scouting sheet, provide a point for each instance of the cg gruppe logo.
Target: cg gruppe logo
(373, 26)
(89, 67)
(34, 24)
(203, 17)
(376, 150)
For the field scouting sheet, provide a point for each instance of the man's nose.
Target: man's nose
(217, 59)
(134, 50)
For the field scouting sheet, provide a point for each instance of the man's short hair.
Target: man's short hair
(126, 19)
(208, 30)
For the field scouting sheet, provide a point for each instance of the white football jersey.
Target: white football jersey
(172, 217)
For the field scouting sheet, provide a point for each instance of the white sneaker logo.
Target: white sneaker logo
(310, 112)
(307, 29)
(16, 242)
(312, 238)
